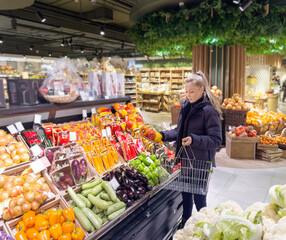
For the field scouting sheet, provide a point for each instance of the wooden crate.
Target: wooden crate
(241, 148)
(57, 203)
(269, 155)
(283, 154)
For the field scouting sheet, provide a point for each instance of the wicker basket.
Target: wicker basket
(175, 112)
(234, 117)
(62, 99)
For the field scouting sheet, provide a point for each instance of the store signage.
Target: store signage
(19, 126)
(93, 111)
(36, 150)
(108, 131)
(72, 136)
(103, 133)
(37, 119)
(84, 114)
(12, 129)
(40, 164)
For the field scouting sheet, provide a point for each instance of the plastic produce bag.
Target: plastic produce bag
(62, 84)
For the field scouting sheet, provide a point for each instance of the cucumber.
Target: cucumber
(101, 215)
(83, 219)
(115, 207)
(75, 198)
(73, 204)
(86, 192)
(96, 190)
(86, 201)
(116, 214)
(105, 212)
(104, 219)
(110, 203)
(96, 210)
(105, 196)
(97, 202)
(91, 184)
(107, 187)
(93, 218)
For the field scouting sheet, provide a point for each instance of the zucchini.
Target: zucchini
(83, 219)
(86, 192)
(75, 198)
(97, 202)
(110, 203)
(105, 196)
(101, 215)
(96, 190)
(104, 219)
(107, 187)
(86, 201)
(73, 204)
(96, 210)
(91, 184)
(115, 207)
(93, 218)
(116, 214)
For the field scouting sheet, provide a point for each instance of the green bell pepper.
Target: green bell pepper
(141, 158)
(140, 168)
(147, 161)
(153, 157)
(145, 171)
(152, 167)
(151, 182)
(149, 175)
(143, 154)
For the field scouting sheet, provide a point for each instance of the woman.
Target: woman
(198, 127)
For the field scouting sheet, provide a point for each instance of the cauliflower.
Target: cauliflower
(278, 195)
(254, 212)
(269, 217)
(178, 235)
(278, 232)
(229, 206)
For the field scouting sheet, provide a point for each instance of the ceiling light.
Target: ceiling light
(14, 23)
(37, 51)
(50, 53)
(122, 45)
(109, 58)
(245, 5)
(31, 47)
(102, 30)
(40, 16)
(70, 41)
(76, 1)
(236, 1)
(81, 50)
(181, 4)
(63, 43)
(1, 40)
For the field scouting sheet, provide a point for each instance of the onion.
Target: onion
(37, 186)
(10, 138)
(25, 157)
(16, 159)
(18, 181)
(8, 162)
(14, 192)
(39, 197)
(20, 144)
(35, 205)
(26, 207)
(17, 211)
(21, 150)
(2, 150)
(8, 186)
(12, 147)
(21, 201)
(29, 196)
(2, 133)
(2, 180)
(12, 203)
(3, 141)
(45, 187)
(13, 154)
(26, 187)
(4, 156)
(30, 179)
(5, 195)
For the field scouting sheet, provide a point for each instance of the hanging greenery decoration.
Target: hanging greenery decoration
(174, 33)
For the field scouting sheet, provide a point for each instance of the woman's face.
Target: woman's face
(194, 93)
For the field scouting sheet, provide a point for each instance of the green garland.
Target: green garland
(174, 33)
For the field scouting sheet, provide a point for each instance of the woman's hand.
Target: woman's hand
(186, 141)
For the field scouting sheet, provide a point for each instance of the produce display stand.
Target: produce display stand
(4, 228)
(269, 153)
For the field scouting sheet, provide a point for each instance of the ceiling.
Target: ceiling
(79, 20)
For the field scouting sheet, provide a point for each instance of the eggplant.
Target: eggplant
(139, 194)
(132, 189)
(50, 155)
(121, 169)
(106, 178)
(137, 182)
(130, 194)
(83, 170)
(142, 178)
(9, 238)
(125, 181)
(131, 182)
(134, 170)
(111, 175)
(129, 202)
(130, 174)
(3, 235)
(118, 176)
(76, 170)
(148, 187)
(142, 190)
(122, 195)
(64, 180)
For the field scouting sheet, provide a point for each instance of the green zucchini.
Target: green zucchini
(86, 192)
(73, 204)
(116, 214)
(91, 184)
(96, 210)
(105, 196)
(115, 207)
(110, 203)
(107, 187)
(93, 218)
(75, 198)
(96, 190)
(83, 219)
(86, 201)
(104, 219)
(101, 215)
(97, 202)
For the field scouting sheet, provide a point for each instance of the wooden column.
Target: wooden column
(201, 59)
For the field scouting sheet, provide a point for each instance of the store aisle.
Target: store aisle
(244, 186)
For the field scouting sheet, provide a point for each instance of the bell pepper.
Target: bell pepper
(140, 168)
(44, 235)
(145, 170)
(32, 233)
(152, 166)
(158, 137)
(66, 236)
(153, 157)
(29, 219)
(78, 234)
(143, 154)
(151, 134)
(41, 223)
(56, 231)
(149, 175)
(55, 216)
(68, 226)
(47, 213)
(144, 130)
(150, 181)
(69, 214)
(63, 219)
(21, 227)
(21, 236)
(147, 161)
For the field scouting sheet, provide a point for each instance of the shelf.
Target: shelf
(177, 77)
(130, 75)
(154, 82)
(8, 76)
(130, 93)
(130, 82)
(165, 76)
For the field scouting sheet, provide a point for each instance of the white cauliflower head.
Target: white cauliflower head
(277, 232)
(229, 206)
(254, 212)
(178, 235)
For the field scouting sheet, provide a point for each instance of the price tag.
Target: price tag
(37, 118)
(40, 164)
(108, 132)
(19, 126)
(84, 114)
(36, 150)
(93, 111)
(103, 133)
(114, 183)
(72, 136)
(12, 129)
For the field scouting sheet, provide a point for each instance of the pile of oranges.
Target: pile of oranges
(234, 103)
(260, 117)
(281, 139)
(267, 140)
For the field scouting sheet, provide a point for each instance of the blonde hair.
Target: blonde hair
(200, 80)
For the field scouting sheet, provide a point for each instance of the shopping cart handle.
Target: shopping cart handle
(210, 171)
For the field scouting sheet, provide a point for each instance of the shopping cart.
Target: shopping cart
(193, 176)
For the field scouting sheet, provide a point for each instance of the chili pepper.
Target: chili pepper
(68, 226)
(32, 233)
(44, 235)
(78, 234)
(41, 223)
(21, 236)
(55, 217)
(21, 227)
(56, 231)
(29, 219)
(69, 214)
(66, 236)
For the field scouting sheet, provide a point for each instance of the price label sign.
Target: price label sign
(36, 150)
(12, 129)
(72, 136)
(114, 183)
(93, 111)
(104, 133)
(40, 164)
(84, 114)
(19, 126)
(108, 131)
(37, 119)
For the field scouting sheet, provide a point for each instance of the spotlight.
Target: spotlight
(63, 43)
(40, 16)
(37, 51)
(245, 5)
(14, 23)
(50, 53)
(236, 1)
(1, 40)
(31, 47)
(81, 50)
(122, 45)
(102, 30)
(70, 41)
(181, 4)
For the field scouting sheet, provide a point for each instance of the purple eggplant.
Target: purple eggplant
(125, 180)
(139, 194)
(111, 175)
(106, 178)
(83, 170)
(134, 170)
(63, 180)
(118, 176)
(9, 238)
(132, 189)
(76, 170)
(142, 190)
(129, 202)
(130, 194)
(130, 174)
(142, 178)
(148, 187)
(122, 195)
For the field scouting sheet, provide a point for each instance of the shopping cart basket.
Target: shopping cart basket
(194, 175)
